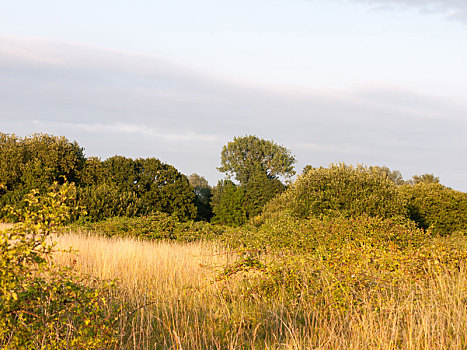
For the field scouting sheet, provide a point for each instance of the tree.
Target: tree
(245, 156)
(203, 194)
(260, 190)
(228, 204)
(436, 206)
(393, 175)
(165, 189)
(425, 178)
(35, 162)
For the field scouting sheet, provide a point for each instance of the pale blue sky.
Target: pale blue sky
(361, 81)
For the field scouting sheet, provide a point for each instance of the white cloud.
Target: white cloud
(126, 128)
(453, 9)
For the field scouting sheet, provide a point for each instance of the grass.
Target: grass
(174, 302)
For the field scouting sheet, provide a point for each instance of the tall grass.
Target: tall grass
(175, 302)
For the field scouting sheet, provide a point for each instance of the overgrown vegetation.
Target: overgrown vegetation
(340, 190)
(184, 297)
(432, 205)
(159, 226)
(345, 257)
(43, 306)
(339, 258)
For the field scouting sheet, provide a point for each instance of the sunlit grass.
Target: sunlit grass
(174, 302)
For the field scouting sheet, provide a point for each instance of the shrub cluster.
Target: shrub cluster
(340, 190)
(43, 306)
(236, 204)
(432, 205)
(158, 226)
(338, 260)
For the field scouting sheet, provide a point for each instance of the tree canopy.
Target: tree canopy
(118, 186)
(245, 156)
(203, 194)
(424, 178)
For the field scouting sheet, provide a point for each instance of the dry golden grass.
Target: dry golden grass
(4, 226)
(142, 267)
(174, 304)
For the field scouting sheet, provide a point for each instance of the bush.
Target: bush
(340, 190)
(436, 206)
(42, 306)
(159, 226)
(338, 260)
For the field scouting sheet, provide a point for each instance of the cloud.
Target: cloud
(147, 106)
(453, 9)
(126, 128)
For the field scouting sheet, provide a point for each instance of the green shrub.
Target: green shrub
(340, 190)
(436, 206)
(42, 306)
(337, 260)
(158, 226)
(234, 205)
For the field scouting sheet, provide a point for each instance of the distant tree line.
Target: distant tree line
(257, 186)
(117, 186)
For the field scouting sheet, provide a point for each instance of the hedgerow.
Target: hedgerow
(158, 226)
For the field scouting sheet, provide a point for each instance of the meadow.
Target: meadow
(172, 298)
(134, 256)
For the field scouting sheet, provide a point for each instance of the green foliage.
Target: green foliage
(248, 155)
(393, 175)
(259, 191)
(117, 186)
(93, 172)
(432, 205)
(105, 200)
(203, 194)
(228, 204)
(340, 190)
(153, 185)
(234, 205)
(35, 162)
(159, 226)
(42, 306)
(425, 178)
(337, 261)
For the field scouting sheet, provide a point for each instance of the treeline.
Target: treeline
(252, 191)
(117, 186)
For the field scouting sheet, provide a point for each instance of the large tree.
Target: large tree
(36, 162)
(203, 194)
(248, 155)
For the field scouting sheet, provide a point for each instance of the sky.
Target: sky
(374, 82)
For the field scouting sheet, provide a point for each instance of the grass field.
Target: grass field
(175, 302)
